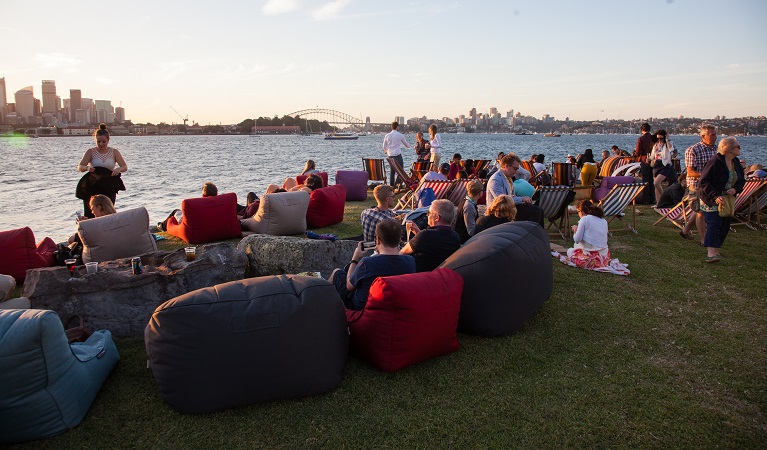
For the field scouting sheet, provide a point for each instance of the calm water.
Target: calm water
(38, 176)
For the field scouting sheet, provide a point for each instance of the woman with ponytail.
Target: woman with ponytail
(590, 249)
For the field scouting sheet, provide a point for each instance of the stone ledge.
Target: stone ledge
(278, 255)
(115, 299)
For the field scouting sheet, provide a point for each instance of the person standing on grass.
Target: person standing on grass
(392, 146)
(723, 175)
(642, 151)
(695, 159)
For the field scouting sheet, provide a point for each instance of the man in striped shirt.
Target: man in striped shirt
(695, 158)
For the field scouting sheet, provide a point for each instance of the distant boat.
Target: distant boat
(341, 136)
(524, 133)
(552, 135)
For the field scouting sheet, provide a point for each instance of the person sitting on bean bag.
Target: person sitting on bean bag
(432, 246)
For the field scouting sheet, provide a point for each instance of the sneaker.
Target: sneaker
(715, 258)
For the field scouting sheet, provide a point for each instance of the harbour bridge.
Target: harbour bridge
(335, 118)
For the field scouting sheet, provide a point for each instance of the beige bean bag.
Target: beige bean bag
(120, 235)
(280, 214)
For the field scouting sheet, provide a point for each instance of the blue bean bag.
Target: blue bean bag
(507, 275)
(248, 341)
(46, 384)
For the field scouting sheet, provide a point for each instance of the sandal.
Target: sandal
(715, 258)
(687, 236)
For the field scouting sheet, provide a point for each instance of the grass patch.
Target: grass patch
(672, 356)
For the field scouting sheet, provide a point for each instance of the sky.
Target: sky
(224, 62)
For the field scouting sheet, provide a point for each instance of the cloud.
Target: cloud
(329, 10)
(59, 61)
(276, 7)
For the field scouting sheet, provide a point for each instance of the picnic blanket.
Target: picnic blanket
(611, 266)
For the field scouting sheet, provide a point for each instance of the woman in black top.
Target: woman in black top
(502, 210)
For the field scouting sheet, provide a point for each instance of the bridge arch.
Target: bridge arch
(330, 116)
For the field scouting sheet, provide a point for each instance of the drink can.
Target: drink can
(135, 264)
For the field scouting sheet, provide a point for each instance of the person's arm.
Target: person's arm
(359, 253)
(637, 148)
(385, 141)
(470, 217)
(406, 250)
(437, 142)
(123, 166)
(83, 165)
(404, 141)
(578, 236)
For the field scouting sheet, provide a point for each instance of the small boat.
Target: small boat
(552, 135)
(341, 136)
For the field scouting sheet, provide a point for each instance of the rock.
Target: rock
(115, 299)
(278, 255)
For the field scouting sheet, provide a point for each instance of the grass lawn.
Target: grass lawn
(673, 356)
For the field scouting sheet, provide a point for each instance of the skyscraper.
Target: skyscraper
(3, 101)
(120, 114)
(75, 103)
(25, 103)
(50, 104)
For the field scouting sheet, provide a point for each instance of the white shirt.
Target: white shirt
(432, 175)
(592, 230)
(392, 142)
(436, 145)
(540, 167)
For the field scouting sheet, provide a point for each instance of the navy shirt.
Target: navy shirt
(434, 245)
(372, 267)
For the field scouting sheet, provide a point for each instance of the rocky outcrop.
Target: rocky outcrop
(115, 299)
(277, 255)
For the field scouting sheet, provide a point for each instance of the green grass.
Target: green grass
(673, 356)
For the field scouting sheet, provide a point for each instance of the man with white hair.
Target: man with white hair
(695, 159)
(432, 246)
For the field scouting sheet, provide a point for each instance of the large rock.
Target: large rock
(279, 255)
(115, 299)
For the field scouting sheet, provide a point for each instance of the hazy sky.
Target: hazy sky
(222, 62)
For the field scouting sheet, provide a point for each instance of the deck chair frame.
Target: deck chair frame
(550, 200)
(616, 201)
(375, 168)
(682, 210)
(746, 203)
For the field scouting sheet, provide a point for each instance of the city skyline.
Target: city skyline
(222, 65)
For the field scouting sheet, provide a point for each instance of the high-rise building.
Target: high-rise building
(104, 111)
(493, 110)
(50, 105)
(75, 103)
(3, 101)
(120, 114)
(25, 103)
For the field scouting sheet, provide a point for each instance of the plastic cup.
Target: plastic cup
(91, 267)
(191, 253)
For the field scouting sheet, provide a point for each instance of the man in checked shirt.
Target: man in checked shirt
(695, 158)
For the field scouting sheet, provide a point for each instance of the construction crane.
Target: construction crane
(185, 119)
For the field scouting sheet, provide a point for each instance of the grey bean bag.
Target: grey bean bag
(507, 276)
(248, 341)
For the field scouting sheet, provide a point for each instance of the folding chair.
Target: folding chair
(761, 208)
(550, 200)
(480, 164)
(610, 164)
(535, 176)
(628, 169)
(409, 182)
(457, 191)
(746, 202)
(375, 169)
(440, 188)
(679, 215)
(419, 169)
(618, 199)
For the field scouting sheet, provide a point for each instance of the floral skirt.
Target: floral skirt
(587, 256)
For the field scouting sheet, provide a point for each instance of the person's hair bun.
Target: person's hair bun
(102, 126)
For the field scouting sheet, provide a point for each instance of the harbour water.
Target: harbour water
(38, 176)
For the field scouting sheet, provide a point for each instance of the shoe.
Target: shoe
(715, 258)
(687, 236)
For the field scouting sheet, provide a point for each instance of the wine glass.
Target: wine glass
(71, 263)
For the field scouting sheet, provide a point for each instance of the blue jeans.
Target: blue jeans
(717, 228)
(401, 163)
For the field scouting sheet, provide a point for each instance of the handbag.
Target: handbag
(78, 332)
(727, 207)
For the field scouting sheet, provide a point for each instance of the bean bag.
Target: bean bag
(326, 206)
(356, 182)
(324, 175)
(607, 185)
(407, 319)
(120, 235)
(523, 188)
(507, 275)
(19, 253)
(248, 341)
(46, 384)
(280, 214)
(207, 219)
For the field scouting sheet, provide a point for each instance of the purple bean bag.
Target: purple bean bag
(356, 182)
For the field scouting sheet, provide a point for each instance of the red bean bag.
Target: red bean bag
(207, 219)
(19, 253)
(356, 182)
(324, 175)
(326, 206)
(407, 319)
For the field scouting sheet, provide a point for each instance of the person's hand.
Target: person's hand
(89, 168)
(427, 145)
(359, 253)
(527, 200)
(412, 227)
(719, 200)
(731, 191)
(115, 172)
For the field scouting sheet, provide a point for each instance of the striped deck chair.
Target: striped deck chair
(678, 215)
(550, 199)
(630, 169)
(534, 174)
(761, 208)
(440, 188)
(619, 197)
(746, 202)
(610, 164)
(419, 169)
(375, 169)
(480, 164)
(457, 191)
(409, 182)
